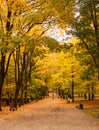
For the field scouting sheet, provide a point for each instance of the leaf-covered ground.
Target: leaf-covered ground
(90, 106)
(47, 114)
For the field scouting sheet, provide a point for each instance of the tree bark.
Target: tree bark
(72, 88)
(16, 97)
(2, 76)
(1, 85)
(92, 91)
(72, 83)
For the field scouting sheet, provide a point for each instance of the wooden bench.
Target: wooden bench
(79, 106)
(12, 108)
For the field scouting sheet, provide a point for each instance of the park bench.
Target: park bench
(12, 108)
(79, 106)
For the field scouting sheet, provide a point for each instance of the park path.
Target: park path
(47, 114)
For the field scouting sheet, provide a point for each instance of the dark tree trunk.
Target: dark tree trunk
(72, 85)
(16, 97)
(89, 96)
(17, 93)
(85, 96)
(73, 91)
(17, 77)
(0, 97)
(25, 94)
(1, 84)
(19, 71)
(21, 101)
(92, 91)
(2, 76)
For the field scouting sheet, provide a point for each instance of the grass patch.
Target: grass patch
(92, 111)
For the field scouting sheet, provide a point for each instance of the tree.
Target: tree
(11, 22)
(17, 18)
(72, 14)
(66, 75)
(88, 72)
(86, 28)
(6, 29)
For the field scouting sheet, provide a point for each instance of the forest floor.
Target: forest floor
(48, 114)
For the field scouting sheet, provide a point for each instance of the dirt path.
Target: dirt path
(47, 114)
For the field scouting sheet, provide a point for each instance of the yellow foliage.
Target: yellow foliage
(36, 30)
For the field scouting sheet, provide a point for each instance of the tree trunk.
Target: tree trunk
(18, 87)
(85, 96)
(25, 94)
(92, 91)
(72, 85)
(98, 74)
(0, 97)
(21, 101)
(72, 90)
(17, 76)
(0, 90)
(16, 97)
(2, 76)
(89, 96)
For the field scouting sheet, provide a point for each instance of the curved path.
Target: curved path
(48, 114)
